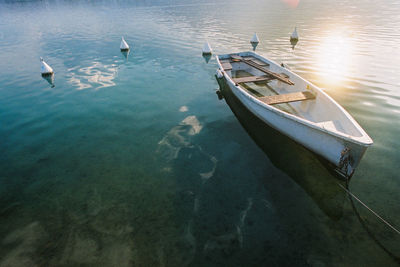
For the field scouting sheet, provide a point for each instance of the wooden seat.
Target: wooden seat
(257, 61)
(286, 98)
(236, 58)
(226, 65)
(251, 79)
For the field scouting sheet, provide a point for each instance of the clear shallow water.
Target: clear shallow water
(135, 161)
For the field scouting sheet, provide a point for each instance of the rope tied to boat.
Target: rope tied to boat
(368, 208)
(352, 196)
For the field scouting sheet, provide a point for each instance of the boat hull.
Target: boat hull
(343, 154)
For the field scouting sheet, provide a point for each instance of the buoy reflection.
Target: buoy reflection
(207, 57)
(293, 42)
(49, 78)
(125, 53)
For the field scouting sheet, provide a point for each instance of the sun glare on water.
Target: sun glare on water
(334, 58)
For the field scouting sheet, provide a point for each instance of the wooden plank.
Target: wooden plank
(251, 79)
(226, 65)
(284, 75)
(257, 61)
(277, 76)
(286, 98)
(273, 74)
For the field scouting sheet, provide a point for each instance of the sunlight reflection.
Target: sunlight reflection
(334, 57)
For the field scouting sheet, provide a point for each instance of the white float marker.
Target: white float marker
(45, 69)
(207, 49)
(124, 45)
(254, 40)
(294, 36)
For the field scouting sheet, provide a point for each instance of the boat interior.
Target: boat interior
(279, 87)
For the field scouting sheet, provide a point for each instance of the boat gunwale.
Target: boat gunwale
(363, 140)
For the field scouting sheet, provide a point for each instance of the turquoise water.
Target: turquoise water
(133, 161)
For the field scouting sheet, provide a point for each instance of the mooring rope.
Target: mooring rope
(370, 233)
(368, 208)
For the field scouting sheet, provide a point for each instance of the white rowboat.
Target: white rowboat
(296, 108)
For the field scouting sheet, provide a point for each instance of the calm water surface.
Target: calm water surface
(131, 160)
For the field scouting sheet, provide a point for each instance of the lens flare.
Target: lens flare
(291, 3)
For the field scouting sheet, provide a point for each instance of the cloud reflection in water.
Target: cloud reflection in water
(96, 76)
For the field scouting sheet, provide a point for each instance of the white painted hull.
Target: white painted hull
(331, 145)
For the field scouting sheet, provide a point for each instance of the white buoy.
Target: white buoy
(44, 68)
(294, 35)
(207, 49)
(254, 39)
(124, 45)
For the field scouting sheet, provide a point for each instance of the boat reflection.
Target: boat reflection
(307, 169)
(49, 78)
